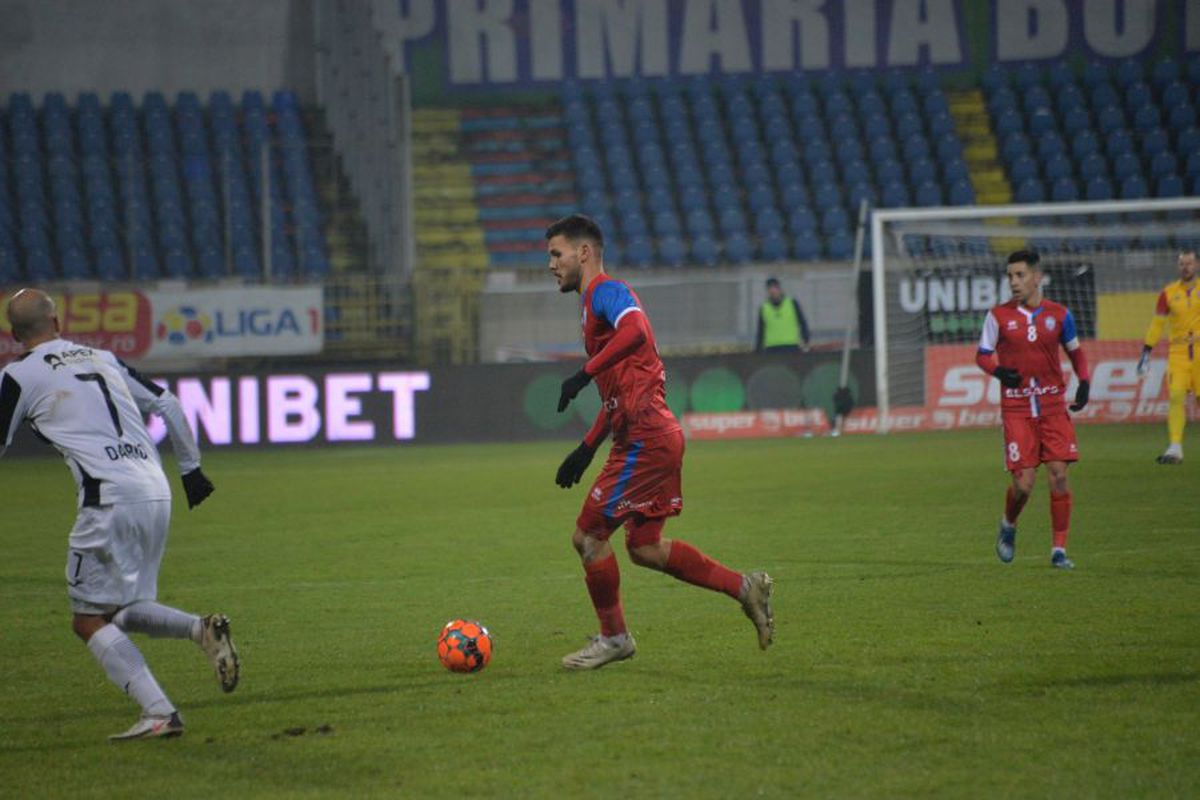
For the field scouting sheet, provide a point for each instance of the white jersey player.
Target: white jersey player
(89, 406)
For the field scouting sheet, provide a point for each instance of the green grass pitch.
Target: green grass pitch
(908, 660)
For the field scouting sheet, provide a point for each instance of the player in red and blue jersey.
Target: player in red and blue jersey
(640, 485)
(1020, 347)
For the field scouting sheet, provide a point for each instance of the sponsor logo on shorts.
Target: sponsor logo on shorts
(597, 494)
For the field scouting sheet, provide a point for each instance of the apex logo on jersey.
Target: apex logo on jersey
(56, 360)
(183, 324)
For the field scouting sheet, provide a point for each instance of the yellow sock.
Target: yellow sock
(1176, 416)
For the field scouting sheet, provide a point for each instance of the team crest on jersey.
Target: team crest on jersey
(1049, 323)
(1011, 325)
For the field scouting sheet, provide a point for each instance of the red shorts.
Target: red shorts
(1030, 441)
(640, 481)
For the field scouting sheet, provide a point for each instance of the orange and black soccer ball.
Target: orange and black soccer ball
(464, 646)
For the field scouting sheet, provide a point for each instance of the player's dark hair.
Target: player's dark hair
(576, 227)
(1187, 251)
(1030, 257)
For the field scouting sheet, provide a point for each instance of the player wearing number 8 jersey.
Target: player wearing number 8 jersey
(1020, 346)
(89, 406)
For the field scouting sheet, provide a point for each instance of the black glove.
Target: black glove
(196, 486)
(574, 466)
(1144, 362)
(1008, 376)
(571, 387)
(1081, 395)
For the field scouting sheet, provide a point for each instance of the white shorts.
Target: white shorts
(114, 553)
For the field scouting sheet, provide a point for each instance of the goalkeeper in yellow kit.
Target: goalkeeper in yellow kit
(1178, 307)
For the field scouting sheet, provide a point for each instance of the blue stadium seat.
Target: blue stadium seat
(1154, 142)
(705, 251)
(1169, 186)
(1023, 169)
(1118, 143)
(738, 248)
(806, 246)
(1014, 146)
(894, 194)
(1041, 121)
(1059, 74)
(921, 171)
(955, 170)
(1064, 190)
(826, 195)
(962, 193)
(834, 219)
(1175, 93)
(1163, 163)
(1126, 165)
(1128, 71)
(768, 221)
(1076, 121)
(888, 171)
(1009, 121)
(1030, 190)
(1098, 188)
(1057, 166)
(801, 219)
(699, 223)
(1187, 141)
(1165, 72)
(672, 251)
(929, 193)
(1180, 116)
(840, 245)
(1133, 188)
(731, 220)
(773, 247)
(1147, 117)
(1136, 95)
(1110, 118)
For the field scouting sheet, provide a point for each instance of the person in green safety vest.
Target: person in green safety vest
(781, 323)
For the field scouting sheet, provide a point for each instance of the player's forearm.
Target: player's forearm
(631, 333)
(187, 454)
(598, 432)
(987, 361)
(1079, 364)
(1154, 333)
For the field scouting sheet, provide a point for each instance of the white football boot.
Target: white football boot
(218, 646)
(152, 727)
(600, 651)
(756, 602)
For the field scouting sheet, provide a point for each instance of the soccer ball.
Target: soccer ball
(464, 646)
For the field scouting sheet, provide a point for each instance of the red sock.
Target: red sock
(603, 580)
(688, 564)
(1060, 517)
(1012, 507)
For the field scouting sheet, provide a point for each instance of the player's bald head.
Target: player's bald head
(31, 314)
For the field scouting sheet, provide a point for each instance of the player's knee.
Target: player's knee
(579, 541)
(86, 625)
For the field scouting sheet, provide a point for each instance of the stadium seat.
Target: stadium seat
(806, 246)
(1030, 190)
(1098, 188)
(1064, 190)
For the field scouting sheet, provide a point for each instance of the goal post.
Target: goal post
(936, 271)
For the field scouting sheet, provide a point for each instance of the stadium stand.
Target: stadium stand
(150, 192)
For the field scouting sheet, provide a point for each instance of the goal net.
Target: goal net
(935, 273)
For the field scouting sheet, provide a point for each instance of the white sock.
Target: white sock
(158, 621)
(125, 666)
(1175, 449)
(619, 639)
(1054, 550)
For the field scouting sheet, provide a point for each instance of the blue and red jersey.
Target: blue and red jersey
(632, 384)
(1028, 340)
